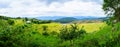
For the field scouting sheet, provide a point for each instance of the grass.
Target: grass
(51, 27)
(89, 27)
(19, 22)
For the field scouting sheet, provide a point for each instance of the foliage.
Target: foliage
(66, 20)
(11, 22)
(45, 30)
(24, 36)
(36, 21)
(20, 34)
(71, 33)
(112, 8)
(3, 24)
(4, 17)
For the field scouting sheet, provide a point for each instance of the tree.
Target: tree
(112, 9)
(72, 32)
(26, 19)
(45, 30)
(4, 17)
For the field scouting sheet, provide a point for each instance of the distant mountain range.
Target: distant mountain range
(65, 19)
(75, 17)
(49, 17)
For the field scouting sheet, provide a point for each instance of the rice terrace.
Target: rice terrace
(60, 23)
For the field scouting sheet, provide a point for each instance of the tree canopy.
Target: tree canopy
(112, 9)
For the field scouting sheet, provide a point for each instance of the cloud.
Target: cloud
(35, 8)
(97, 1)
(50, 1)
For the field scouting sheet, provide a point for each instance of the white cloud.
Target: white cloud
(34, 8)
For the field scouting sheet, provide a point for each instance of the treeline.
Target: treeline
(29, 20)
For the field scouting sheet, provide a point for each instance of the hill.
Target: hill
(49, 17)
(77, 17)
(66, 19)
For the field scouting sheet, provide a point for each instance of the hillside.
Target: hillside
(77, 17)
(66, 20)
(49, 17)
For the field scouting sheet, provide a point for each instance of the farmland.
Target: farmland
(89, 27)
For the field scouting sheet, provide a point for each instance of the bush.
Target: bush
(18, 37)
(11, 22)
(45, 30)
(72, 32)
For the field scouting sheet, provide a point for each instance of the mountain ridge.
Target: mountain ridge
(77, 17)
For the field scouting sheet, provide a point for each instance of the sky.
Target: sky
(36, 8)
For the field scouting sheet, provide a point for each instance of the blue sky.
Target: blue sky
(36, 8)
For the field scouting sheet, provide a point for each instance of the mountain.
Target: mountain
(77, 17)
(89, 18)
(66, 19)
(49, 17)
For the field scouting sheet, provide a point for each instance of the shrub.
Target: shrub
(11, 22)
(72, 32)
(45, 30)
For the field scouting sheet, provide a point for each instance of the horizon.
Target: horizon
(41, 8)
(55, 16)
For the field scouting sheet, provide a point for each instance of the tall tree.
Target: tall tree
(112, 9)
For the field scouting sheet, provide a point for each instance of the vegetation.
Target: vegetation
(18, 33)
(66, 20)
(112, 8)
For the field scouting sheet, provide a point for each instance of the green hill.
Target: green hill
(66, 20)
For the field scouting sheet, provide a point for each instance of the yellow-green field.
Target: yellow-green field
(89, 27)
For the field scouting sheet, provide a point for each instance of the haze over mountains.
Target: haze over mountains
(70, 17)
(66, 19)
